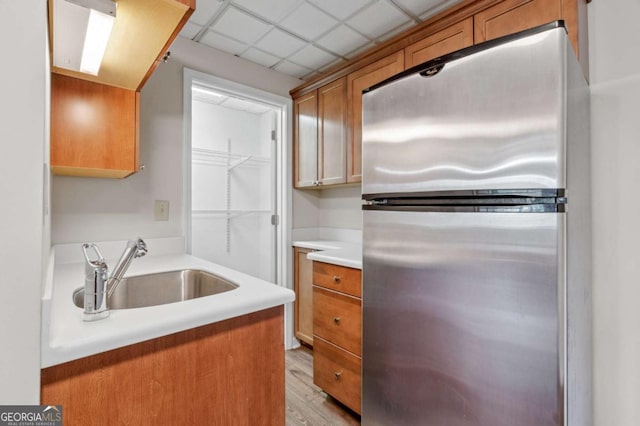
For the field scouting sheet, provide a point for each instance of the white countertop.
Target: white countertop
(334, 252)
(65, 336)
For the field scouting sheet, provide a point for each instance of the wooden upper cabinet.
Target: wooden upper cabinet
(332, 133)
(450, 39)
(511, 16)
(94, 128)
(305, 136)
(320, 135)
(356, 82)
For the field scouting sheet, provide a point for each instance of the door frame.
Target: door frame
(283, 203)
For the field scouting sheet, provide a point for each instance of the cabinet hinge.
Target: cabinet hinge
(273, 135)
(275, 219)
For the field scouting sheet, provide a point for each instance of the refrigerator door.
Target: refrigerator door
(462, 316)
(491, 120)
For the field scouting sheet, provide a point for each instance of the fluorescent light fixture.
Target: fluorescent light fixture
(95, 42)
(81, 30)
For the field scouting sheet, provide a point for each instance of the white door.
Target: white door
(233, 181)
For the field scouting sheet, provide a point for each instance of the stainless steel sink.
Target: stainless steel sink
(162, 288)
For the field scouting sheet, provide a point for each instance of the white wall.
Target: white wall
(339, 207)
(23, 224)
(86, 209)
(614, 38)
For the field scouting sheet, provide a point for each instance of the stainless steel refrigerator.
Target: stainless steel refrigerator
(476, 231)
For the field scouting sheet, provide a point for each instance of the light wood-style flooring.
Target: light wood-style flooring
(307, 404)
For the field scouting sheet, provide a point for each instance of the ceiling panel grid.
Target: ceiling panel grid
(303, 37)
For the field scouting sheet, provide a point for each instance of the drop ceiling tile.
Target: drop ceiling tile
(311, 57)
(223, 43)
(190, 30)
(308, 22)
(378, 19)
(292, 69)
(341, 9)
(260, 57)
(271, 9)
(417, 7)
(205, 10)
(396, 31)
(329, 65)
(342, 40)
(437, 7)
(240, 26)
(279, 43)
(358, 51)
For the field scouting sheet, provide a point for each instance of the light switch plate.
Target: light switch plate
(161, 210)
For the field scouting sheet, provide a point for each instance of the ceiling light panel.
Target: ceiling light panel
(223, 43)
(240, 26)
(280, 43)
(378, 19)
(340, 9)
(272, 10)
(308, 22)
(342, 40)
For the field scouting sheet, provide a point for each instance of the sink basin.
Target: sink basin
(162, 288)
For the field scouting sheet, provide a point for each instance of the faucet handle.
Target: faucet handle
(96, 263)
(141, 248)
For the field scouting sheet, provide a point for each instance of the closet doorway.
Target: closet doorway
(234, 202)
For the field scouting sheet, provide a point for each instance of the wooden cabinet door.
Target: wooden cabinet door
(356, 82)
(332, 132)
(94, 128)
(305, 136)
(450, 39)
(303, 287)
(511, 16)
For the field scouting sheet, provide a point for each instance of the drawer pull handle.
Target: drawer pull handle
(336, 279)
(337, 374)
(336, 320)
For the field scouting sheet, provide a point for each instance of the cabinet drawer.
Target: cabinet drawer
(338, 278)
(338, 319)
(338, 373)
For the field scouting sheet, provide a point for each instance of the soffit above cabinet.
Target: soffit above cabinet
(142, 31)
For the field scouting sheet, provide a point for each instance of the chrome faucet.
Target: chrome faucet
(98, 286)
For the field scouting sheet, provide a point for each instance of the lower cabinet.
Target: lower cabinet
(337, 372)
(227, 373)
(337, 332)
(302, 285)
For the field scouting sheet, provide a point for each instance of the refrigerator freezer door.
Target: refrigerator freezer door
(462, 316)
(490, 120)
